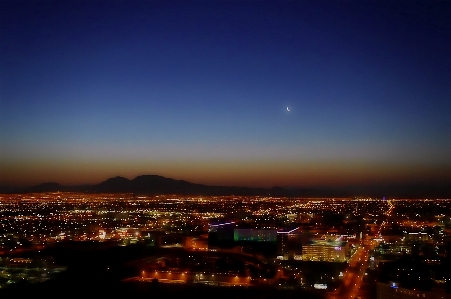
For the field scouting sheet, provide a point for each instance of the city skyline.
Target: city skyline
(255, 94)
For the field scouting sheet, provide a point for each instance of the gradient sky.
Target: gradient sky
(198, 91)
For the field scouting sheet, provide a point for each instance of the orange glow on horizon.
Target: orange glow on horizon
(248, 173)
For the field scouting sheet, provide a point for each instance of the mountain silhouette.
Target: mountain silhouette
(156, 185)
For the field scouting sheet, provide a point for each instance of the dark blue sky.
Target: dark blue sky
(199, 90)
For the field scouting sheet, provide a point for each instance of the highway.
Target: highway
(353, 276)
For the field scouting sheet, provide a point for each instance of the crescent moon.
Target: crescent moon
(288, 109)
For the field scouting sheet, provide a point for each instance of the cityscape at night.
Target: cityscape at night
(314, 247)
(231, 149)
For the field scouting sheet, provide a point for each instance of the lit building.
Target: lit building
(221, 234)
(254, 235)
(326, 251)
(416, 236)
(289, 244)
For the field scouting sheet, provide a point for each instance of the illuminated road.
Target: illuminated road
(353, 276)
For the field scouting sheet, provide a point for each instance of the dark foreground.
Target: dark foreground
(104, 289)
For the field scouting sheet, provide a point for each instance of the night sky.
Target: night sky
(199, 91)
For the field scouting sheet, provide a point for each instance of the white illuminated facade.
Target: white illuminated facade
(325, 251)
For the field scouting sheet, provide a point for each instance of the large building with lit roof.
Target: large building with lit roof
(330, 251)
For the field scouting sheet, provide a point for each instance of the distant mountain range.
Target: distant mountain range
(150, 184)
(155, 184)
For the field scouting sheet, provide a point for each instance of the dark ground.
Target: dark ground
(104, 289)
